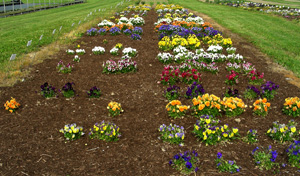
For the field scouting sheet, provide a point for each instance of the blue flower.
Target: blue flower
(230, 162)
(254, 150)
(219, 155)
(188, 165)
(176, 157)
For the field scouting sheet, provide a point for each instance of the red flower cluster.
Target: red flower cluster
(171, 75)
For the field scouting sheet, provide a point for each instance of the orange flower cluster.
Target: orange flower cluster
(114, 106)
(233, 103)
(233, 106)
(185, 24)
(207, 100)
(207, 105)
(122, 26)
(206, 24)
(292, 106)
(261, 107)
(292, 103)
(12, 105)
(176, 109)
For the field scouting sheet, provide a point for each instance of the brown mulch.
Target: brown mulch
(32, 145)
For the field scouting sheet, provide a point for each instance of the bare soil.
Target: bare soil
(32, 145)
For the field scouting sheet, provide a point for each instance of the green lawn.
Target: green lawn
(16, 31)
(274, 36)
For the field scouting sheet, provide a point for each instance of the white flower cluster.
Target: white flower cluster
(235, 58)
(166, 20)
(98, 50)
(129, 51)
(165, 57)
(137, 21)
(197, 20)
(114, 51)
(76, 58)
(106, 23)
(80, 51)
(123, 20)
(69, 51)
(183, 56)
(180, 49)
(231, 50)
(215, 49)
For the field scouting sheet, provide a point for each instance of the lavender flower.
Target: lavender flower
(91, 32)
(102, 31)
(115, 31)
(137, 30)
(135, 37)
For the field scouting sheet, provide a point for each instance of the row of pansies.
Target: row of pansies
(265, 158)
(124, 65)
(286, 12)
(182, 32)
(106, 131)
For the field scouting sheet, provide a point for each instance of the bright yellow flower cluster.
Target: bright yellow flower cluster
(261, 107)
(139, 7)
(169, 6)
(218, 40)
(192, 42)
(119, 45)
(177, 40)
(165, 44)
(12, 105)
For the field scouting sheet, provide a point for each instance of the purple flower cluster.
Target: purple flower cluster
(172, 30)
(252, 92)
(186, 162)
(127, 32)
(137, 30)
(67, 90)
(194, 90)
(115, 31)
(172, 93)
(47, 90)
(135, 37)
(232, 93)
(68, 87)
(211, 31)
(294, 154)
(94, 92)
(91, 32)
(102, 31)
(269, 90)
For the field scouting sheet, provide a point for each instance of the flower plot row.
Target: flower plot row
(124, 65)
(286, 12)
(182, 32)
